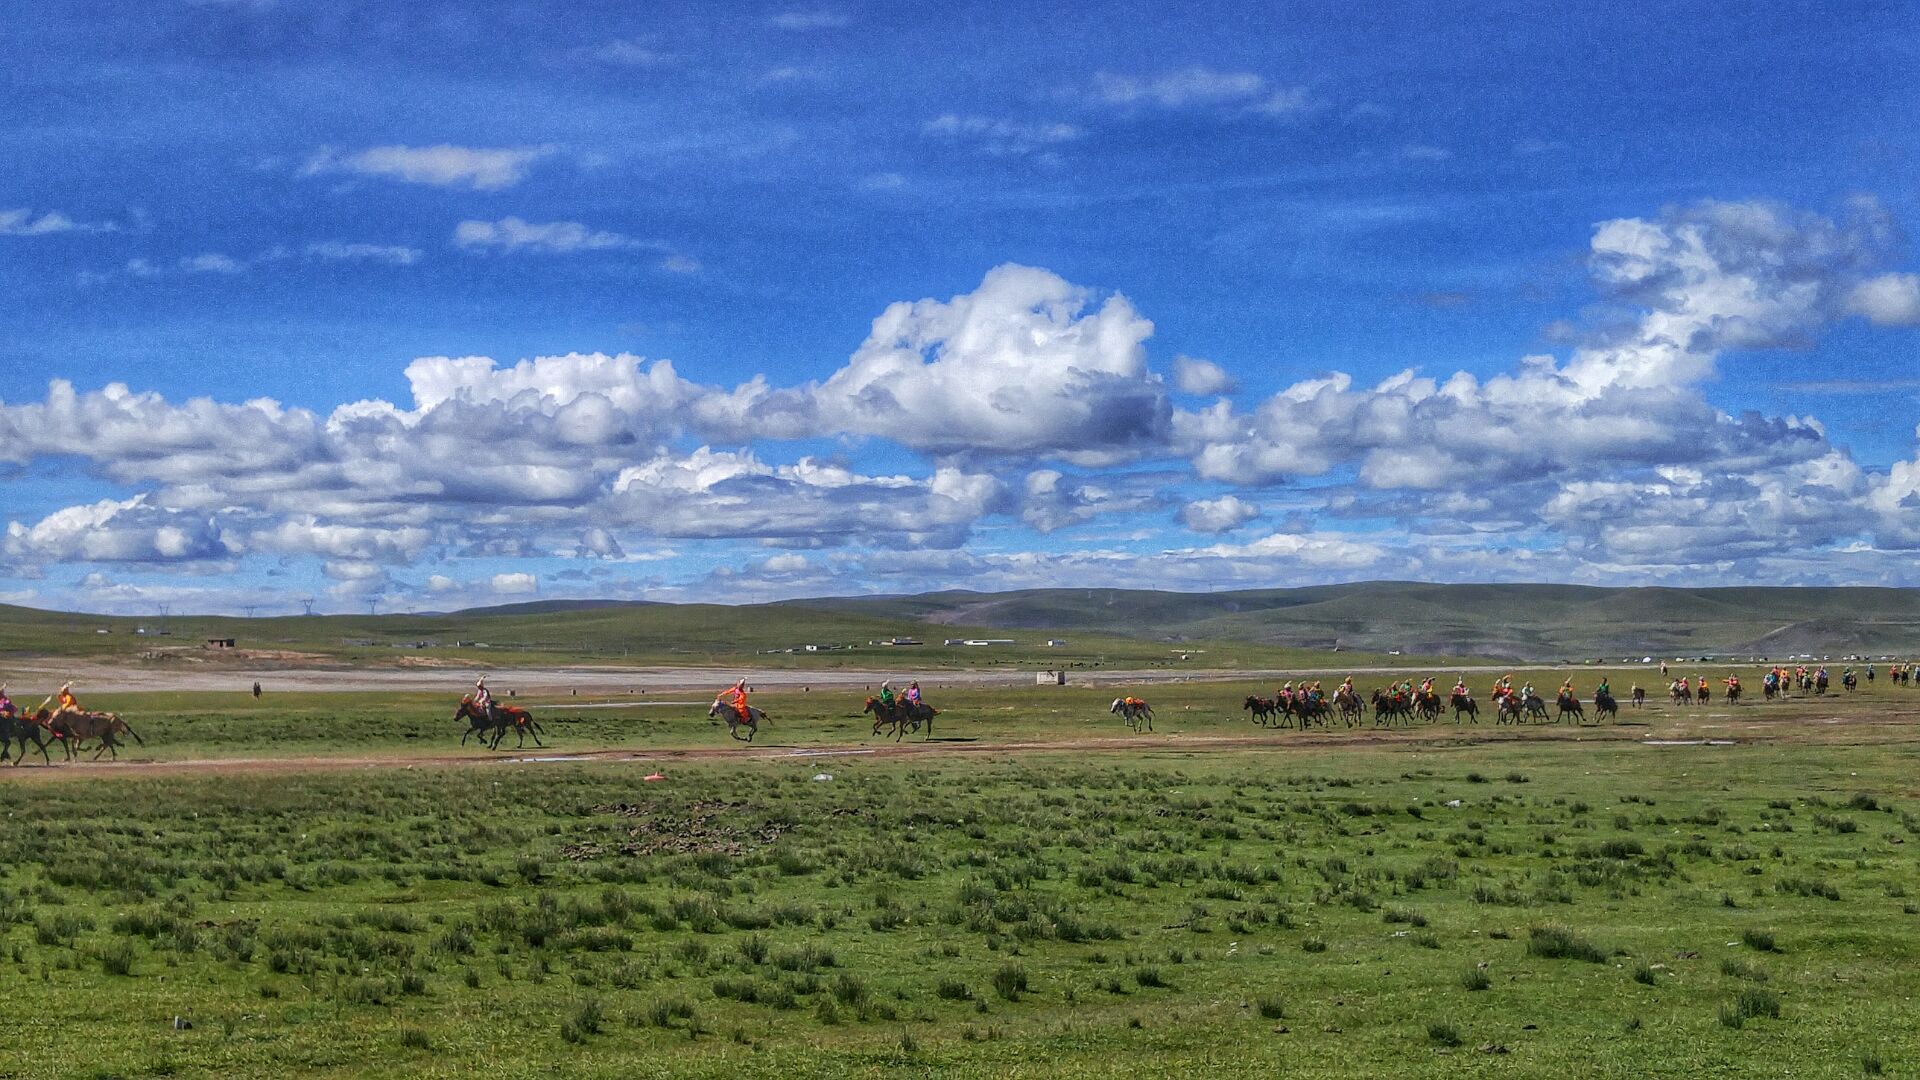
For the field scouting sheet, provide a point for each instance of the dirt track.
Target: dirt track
(1148, 744)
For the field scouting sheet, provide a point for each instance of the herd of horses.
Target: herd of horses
(1390, 708)
(71, 730)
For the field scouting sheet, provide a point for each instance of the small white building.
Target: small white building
(1050, 678)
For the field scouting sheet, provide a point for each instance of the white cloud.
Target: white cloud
(1178, 89)
(515, 234)
(1201, 87)
(1887, 300)
(340, 251)
(475, 168)
(1203, 378)
(24, 222)
(1001, 137)
(1218, 515)
(514, 584)
(680, 264)
(212, 263)
(131, 531)
(1018, 366)
(1425, 152)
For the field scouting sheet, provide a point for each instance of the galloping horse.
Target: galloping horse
(1703, 693)
(1733, 693)
(1463, 703)
(23, 730)
(1536, 707)
(520, 720)
(1850, 681)
(1639, 697)
(74, 729)
(1604, 706)
(1137, 713)
(902, 716)
(1262, 709)
(1427, 703)
(1509, 711)
(1387, 707)
(752, 721)
(1569, 706)
(1351, 708)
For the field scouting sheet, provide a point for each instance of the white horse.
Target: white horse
(735, 722)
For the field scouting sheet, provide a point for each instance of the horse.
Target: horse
(1703, 694)
(1262, 709)
(1850, 681)
(1569, 706)
(1680, 695)
(519, 719)
(73, 729)
(903, 716)
(1820, 682)
(1536, 707)
(1386, 707)
(1137, 713)
(1509, 710)
(1308, 710)
(1733, 693)
(1639, 698)
(751, 721)
(1604, 706)
(1351, 708)
(1428, 704)
(1463, 703)
(23, 730)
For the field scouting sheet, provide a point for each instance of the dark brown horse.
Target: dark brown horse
(17, 728)
(520, 720)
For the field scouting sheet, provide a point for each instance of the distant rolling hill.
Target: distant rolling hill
(1509, 621)
(1256, 627)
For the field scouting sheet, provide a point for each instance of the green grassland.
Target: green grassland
(181, 725)
(1516, 901)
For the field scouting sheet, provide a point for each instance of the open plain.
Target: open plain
(328, 882)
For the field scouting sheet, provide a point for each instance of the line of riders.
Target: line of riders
(1306, 703)
(61, 720)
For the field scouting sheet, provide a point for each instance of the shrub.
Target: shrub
(1010, 981)
(1559, 943)
(1475, 979)
(414, 1039)
(1271, 1008)
(1759, 940)
(1444, 1033)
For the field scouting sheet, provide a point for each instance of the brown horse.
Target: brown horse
(520, 720)
(75, 729)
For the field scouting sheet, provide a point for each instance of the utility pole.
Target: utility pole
(165, 609)
(250, 609)
(307, 602)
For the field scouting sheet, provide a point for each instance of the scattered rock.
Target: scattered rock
(1493, 1048)
(1283, 1030)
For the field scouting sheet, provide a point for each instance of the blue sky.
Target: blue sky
(368, 302)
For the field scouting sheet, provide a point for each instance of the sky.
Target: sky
(409, 307)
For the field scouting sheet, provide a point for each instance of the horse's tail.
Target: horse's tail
(128, 728)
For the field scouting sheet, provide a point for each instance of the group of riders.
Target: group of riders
(63, 702)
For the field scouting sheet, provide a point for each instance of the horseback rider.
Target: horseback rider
(7, 708)
(1566, 688)
(1460, 687)
(1603, 690)
(886, 696)
(483, 700)
(913, 695)
(68, 703)
(735, 697)
(1526, 692)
